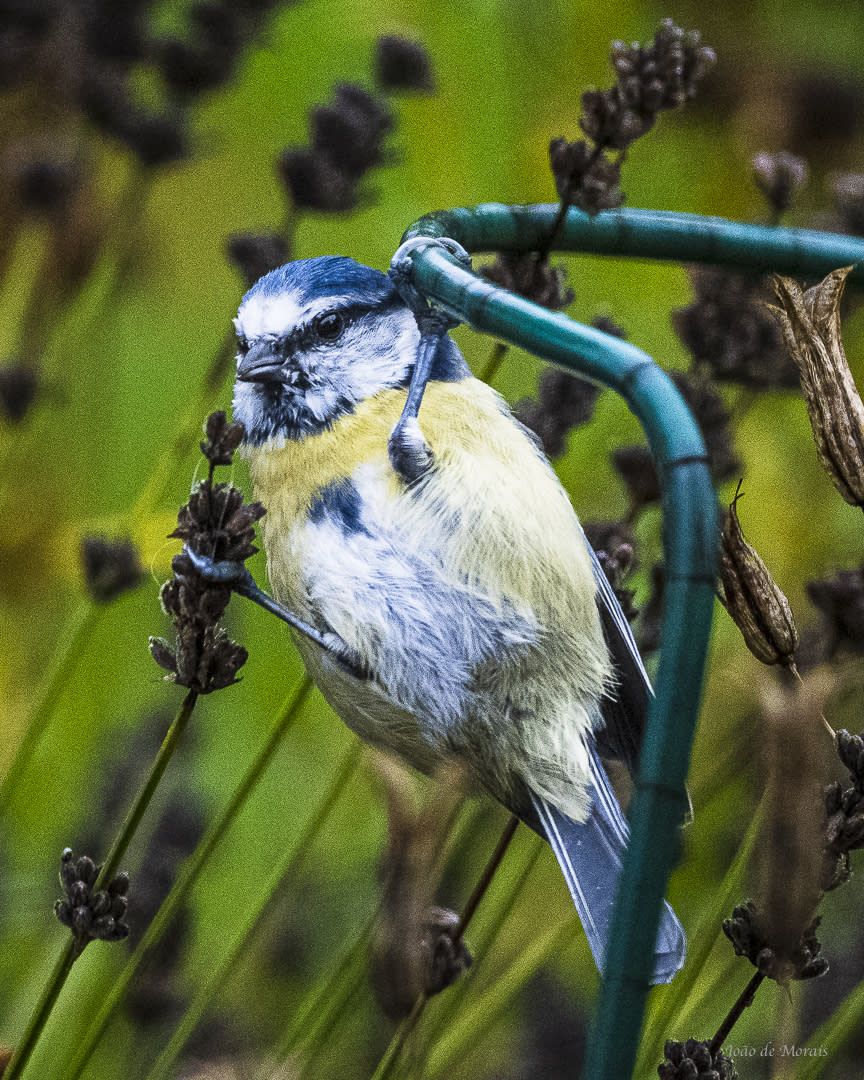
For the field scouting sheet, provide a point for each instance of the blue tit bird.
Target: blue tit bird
(458, 613)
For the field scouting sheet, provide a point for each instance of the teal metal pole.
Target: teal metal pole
(690, 538)
(690, 530)
(649, 234)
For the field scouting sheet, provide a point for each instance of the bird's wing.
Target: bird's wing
(625, 708)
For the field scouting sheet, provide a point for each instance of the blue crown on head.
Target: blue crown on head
(327, 275)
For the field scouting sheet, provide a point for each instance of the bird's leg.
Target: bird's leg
(237, 577)
(410, 454)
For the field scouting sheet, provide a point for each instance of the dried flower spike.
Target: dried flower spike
(18, 386)
(635, 466)
(757, 606)
(840, 599)
(613, 542)
(111, 567)
(46, 186)
(402, 65)
(522, 273)
(564, 402)
(256, 254)
(848, 192)
(750, 937)
(91, 913)
(314, 183)
(693, 1060)
(443, 959)
(216, 522)
(779, 177)
(845, 809)
(584, 177)
(650, 79)
(222, 440)
(729, 331)
(347, 141)
(811, 326)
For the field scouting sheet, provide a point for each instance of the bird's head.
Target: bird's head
(315, 338)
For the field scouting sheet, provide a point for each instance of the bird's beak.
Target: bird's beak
(262, 363)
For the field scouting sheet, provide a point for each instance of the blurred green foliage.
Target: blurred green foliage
(124, 373)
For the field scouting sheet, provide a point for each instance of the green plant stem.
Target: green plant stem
(184, 435)
(37, 1022)
(220, 971)
(450, 1004)
(400, 1035)
(485, 879)
(108, 870)
(843, 1025)
(145, 794)
(745, 1000)
(65, 661)
(189, 874)
(322, 1014)
(496, 359)
(313, 1024)
(490, 1005)
(681, 998)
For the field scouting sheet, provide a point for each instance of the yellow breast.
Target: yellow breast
(489, 487)
(287, 476)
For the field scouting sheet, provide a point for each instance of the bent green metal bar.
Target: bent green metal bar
(689, 512)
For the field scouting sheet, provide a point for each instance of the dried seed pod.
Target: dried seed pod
(756, 604)
(811, 326)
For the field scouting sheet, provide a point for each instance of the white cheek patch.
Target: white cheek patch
(381, 356)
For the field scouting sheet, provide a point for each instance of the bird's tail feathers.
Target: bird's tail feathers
(590, 855)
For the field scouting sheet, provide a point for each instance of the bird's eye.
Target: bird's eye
(329, 326)
(242, 344)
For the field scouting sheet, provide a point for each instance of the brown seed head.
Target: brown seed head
(811, 327)
(757, 605)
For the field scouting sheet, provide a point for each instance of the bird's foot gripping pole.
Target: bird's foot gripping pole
(410, 454)
(239, 580)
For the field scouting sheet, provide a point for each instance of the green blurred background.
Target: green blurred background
(124, 371)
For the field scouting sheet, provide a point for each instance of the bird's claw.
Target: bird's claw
(347, 659)
(222, 572)
(410, 454)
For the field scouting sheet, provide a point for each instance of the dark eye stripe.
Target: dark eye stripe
(306, 334)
